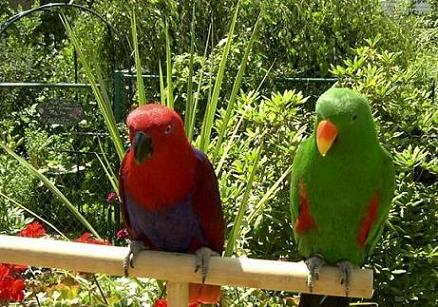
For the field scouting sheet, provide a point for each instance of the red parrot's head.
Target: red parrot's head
(155, 130)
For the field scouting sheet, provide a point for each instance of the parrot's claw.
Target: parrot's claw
(202, 260)
(314, 264)
(345, 269)
(134, 248)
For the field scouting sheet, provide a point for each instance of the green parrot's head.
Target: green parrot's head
(342, 117)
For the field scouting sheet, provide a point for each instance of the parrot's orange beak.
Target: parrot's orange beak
(326, 133)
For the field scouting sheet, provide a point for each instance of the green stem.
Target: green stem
(100, 289)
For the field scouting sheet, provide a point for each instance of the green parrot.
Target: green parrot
(342, 185)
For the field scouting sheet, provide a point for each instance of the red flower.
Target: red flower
(11, 288)
(17, 268)
(33, 230)
(88, 238)
(122, 234)
(160, 303)
(4, 271)
(13, 291)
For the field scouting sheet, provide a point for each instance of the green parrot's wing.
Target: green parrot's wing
(298, 167)
(385, 193)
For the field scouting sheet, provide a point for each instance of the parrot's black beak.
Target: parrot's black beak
(142, 147)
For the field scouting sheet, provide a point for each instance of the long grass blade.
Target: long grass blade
(268, 195)
(264, 77)
(52, 188)
(168, 69)
(239, 123)
(210, 112)
(189, 104)
(162, 88)
(99, 90)
(237, 225)
(112, 179)
(198, 91)
(229, 145)
(138, 68)
(16, 203)
(107, 163)
(236, 87)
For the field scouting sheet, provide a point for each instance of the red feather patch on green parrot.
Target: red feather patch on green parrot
(305, 221)
(368, 220)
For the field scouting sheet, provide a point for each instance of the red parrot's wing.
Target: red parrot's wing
(123, 196)
(207, 204)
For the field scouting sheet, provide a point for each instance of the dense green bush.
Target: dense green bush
(302, 38)
(298, 39)
(273, 122)
(18, 184)
(35, 49)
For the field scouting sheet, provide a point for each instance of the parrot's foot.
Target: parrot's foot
(134, 248)
(345, 269)
(202, 260)
(314, 264)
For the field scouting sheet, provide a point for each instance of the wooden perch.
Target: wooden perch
(179, 268)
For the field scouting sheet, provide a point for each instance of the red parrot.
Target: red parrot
(170, 194)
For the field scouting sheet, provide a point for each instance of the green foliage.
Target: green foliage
(35, 172)
(212, 103)
(58, 288)
(138, 67)
(35, 49)
(12, 220)
(152, 16)
(95, 77)
(169, 92)
(15, 179)
(19, 184)
(302, 38)
(21, 210)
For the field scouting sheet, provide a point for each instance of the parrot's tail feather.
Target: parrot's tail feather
(311, 300)
(198, 294)
(205, 294)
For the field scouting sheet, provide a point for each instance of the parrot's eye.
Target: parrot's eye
(168, 129)
(354, 117)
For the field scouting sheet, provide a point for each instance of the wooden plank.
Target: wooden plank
(177, 294)
(238, 272)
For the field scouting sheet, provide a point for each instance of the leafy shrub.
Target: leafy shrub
(18, 184)
(11, 219)
(277, 120)
(299, 38)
